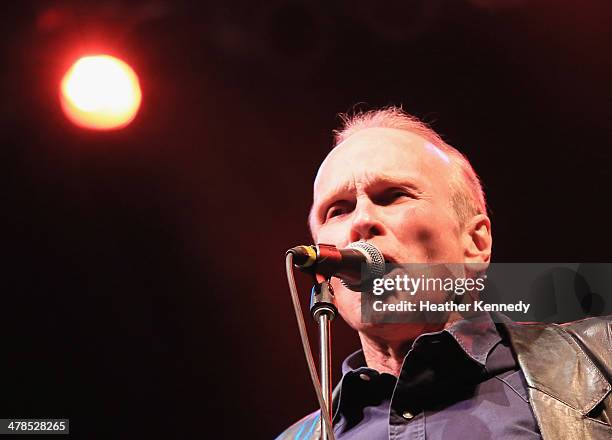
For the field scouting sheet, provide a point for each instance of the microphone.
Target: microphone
(346, 264)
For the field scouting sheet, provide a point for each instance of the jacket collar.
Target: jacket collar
(549, 356)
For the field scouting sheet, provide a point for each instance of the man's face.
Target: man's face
(390, 188)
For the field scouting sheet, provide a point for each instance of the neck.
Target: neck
(385, 347)
(384, 356)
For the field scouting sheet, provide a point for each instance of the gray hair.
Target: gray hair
(467, 198)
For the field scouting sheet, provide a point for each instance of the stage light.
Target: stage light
(100, 92)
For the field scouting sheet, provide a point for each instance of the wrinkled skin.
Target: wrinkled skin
(391, 188)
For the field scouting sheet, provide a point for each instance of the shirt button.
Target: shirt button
(364, 376)
(407, 415)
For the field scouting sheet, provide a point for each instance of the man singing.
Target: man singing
(392, 181)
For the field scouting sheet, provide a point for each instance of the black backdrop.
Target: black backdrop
(143, 286)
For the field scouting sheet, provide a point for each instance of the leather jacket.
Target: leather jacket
(568, 369)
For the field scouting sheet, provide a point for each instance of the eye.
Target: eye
(394, 194)
(337, 209)
(334, 211)
(397, 193)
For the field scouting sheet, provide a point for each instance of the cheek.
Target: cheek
(428, 232)
(330, 234)
(415, 224)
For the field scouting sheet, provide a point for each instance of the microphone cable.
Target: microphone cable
(306, 345)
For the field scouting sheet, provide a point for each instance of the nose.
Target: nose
(366, 222)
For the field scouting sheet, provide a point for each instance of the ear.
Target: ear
(477, 243)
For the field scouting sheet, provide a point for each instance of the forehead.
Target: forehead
(382, 153)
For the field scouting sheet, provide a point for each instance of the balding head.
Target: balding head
(467, 197)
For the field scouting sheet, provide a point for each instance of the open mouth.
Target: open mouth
(389, 260)
(390, 263)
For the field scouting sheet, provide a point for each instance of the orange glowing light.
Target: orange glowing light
(100, 92)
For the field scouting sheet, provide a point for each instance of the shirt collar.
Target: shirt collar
(476, 336)
(353, 362)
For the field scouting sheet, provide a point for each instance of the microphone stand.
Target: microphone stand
(323, 311)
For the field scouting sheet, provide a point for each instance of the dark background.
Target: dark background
(144, 293)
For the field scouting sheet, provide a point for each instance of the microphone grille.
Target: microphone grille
(374, 257)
